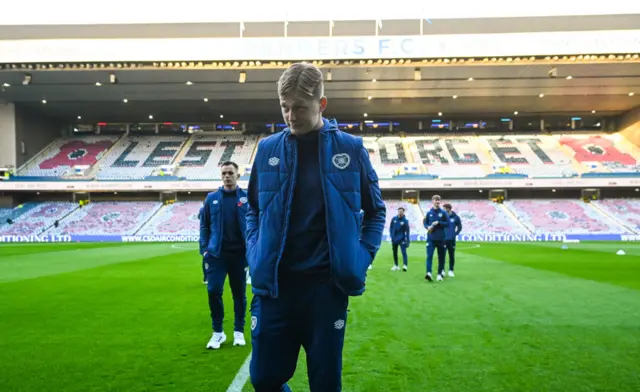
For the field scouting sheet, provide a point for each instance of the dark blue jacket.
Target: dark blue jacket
(349, 185)
(454, 228)
(399, 230)
(211, 220)
(438, 232)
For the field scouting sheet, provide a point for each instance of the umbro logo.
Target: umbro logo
(273, 161)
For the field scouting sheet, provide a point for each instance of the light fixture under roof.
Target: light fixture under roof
(44, 101)
(206, 99)
(569, 77)
(374, 81)
(366, 115)
(541, 95)
(439, 113)
(79, 117)
(470, 79)
(369, 97)
(593, 112)
(631, 94)
(151, 117)
(189, 83)
(243, 77)
(6, 84)
(125, 100)
(455, 97)
(515, 113)
(98, 84)
(222, 116)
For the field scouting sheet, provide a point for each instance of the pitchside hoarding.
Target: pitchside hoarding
(471, 237)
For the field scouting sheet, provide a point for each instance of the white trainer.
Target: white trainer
(216, 340)
(395, 268)
(370, 266)
(439, 278)
(238, 339)
(451, 274)
(404, 268)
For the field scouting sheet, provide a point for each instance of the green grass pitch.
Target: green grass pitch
(517, 317)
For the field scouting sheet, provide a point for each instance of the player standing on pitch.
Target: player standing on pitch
(452, 231)
(305, 251)
(399, 233)
(436, 221)
(222, 244)
(204, 271)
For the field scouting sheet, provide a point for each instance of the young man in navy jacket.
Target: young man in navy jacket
(307, 247)
(455, 227)
(399, 233)
(222, 244)
(436, 222)
(204, 271)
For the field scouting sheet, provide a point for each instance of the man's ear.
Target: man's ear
(323, 104)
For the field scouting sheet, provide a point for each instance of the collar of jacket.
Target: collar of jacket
(221, 189)
(329, 126)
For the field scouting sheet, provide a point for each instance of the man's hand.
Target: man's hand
(205, 253)
(436, 223)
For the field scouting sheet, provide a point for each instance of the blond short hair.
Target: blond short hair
(301, 80)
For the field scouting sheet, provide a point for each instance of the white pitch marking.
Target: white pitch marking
(241, 377)
(175, 246)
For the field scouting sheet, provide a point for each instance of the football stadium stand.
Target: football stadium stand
(36, 218)
(482, 217)
(59, 158)
(197, 157)
(136, 157)
(4, 214)
(106, 218)
(625, 211)
(205, 153)
(177, 218)
(412, 212)
(449, 157)
(563, 217)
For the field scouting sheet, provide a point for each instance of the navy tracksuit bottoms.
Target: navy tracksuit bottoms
(306, 314)
(451, 250)
(431, 247)
(403, 249)
(216, 272)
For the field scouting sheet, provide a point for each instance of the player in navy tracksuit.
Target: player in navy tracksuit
(399, 233)
(222, 244)
(204, 271)
(436, 222)
(307, 247)
(455, 227)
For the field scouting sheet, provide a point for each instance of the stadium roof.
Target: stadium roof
(495, 90)
(544, 85)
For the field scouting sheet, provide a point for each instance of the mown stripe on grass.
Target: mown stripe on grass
(29, 266)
